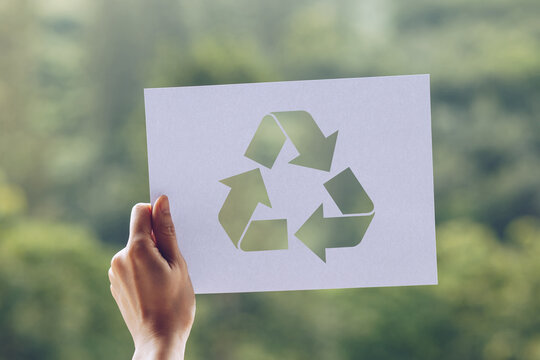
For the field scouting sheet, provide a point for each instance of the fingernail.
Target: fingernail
(165, 209)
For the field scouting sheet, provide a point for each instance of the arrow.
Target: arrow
(265, 235)
(316, 150)
(266, 143)
(247, 190)
(348, 193)
(319, 233)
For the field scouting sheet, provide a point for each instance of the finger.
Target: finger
(111, 275)
(140, 245)
(164, 231)
(140, 223)
(113, 293)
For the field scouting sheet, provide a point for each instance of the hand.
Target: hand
(151, 285)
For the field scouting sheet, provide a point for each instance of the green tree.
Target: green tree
(54, 296)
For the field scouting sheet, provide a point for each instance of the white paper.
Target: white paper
(198, 136)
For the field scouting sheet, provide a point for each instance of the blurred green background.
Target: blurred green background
(73, 162)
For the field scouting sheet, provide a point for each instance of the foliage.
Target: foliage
(71, 89)
(54, 296)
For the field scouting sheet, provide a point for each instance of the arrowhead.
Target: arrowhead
(316, 151)
(251, 183)
(312, 233)
(319, 155)
(319, 233)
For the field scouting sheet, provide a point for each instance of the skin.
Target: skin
(151, 285)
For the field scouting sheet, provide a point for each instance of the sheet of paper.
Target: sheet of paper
(298, 185)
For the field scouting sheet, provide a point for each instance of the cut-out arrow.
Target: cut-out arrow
(267, 142)
(319, 233)
(348, 193)
(316, 150)
(247, 190)
(265, 235)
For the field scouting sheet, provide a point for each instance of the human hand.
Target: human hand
(151, 285)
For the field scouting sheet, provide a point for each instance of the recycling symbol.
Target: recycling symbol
(316, 151)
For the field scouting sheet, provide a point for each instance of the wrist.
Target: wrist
(163, 348)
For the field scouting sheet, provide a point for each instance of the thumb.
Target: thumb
(164, 232)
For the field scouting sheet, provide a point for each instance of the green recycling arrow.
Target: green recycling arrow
(247, 190)
(265, 235)
(319, 233)
(348, 193)
(316, 151)
(267, 142)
